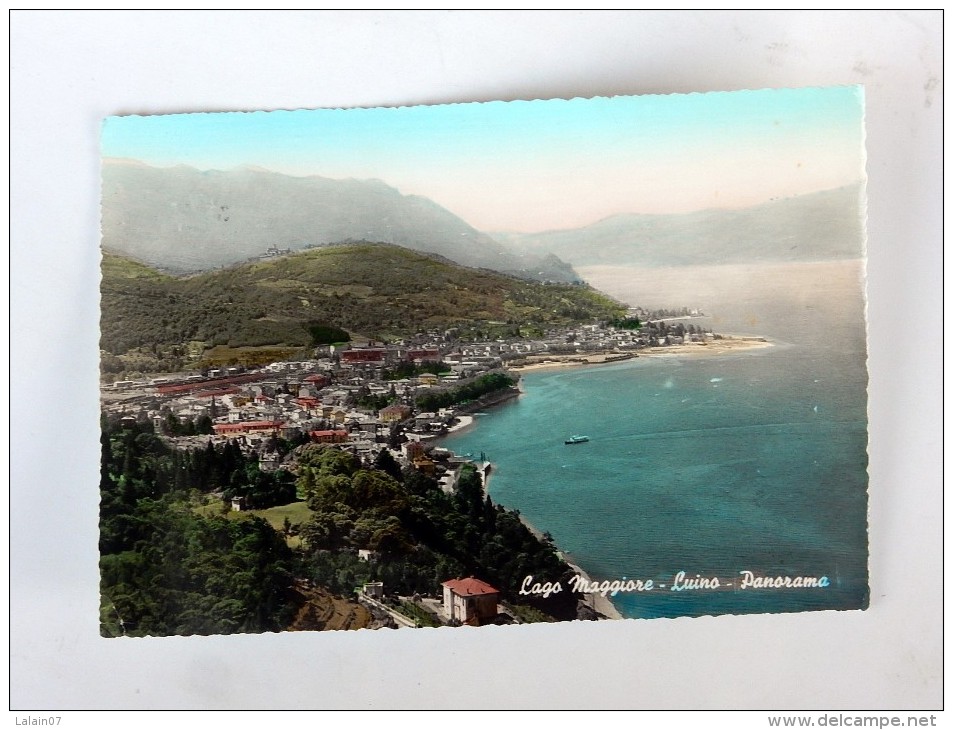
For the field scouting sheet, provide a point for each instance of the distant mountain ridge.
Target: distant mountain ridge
(821, 226)
(184, 220)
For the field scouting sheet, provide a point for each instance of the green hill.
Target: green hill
(371, 290)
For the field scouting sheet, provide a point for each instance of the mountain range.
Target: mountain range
(820, 226)
(183, 220)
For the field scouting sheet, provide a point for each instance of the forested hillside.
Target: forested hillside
(175, 560)
(372, 290)
(167, 570)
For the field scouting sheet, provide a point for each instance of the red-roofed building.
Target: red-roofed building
(308, 403)
(363, 355)
(470, 601)
(243, 427)
(215, 393)
(329, 437)
(177, 389)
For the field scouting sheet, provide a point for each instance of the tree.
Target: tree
(327, 530)
(375, 490)
(386, 463)
(325, 334)
(395, 436)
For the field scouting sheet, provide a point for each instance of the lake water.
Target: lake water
(709, 465)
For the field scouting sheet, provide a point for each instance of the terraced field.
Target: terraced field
(320, 610)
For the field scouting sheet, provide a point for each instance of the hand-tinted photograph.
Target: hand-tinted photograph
(483, 364)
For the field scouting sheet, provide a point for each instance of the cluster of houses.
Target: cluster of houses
(347, 396)
(594, 337)
(342, 397)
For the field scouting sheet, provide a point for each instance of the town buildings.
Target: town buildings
(349, 396)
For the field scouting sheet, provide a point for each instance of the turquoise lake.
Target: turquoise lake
(709, 465)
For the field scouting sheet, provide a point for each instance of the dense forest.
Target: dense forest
(171, 565)
(424, 535)
(167, 570)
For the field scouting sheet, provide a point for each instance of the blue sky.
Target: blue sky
(539, 165)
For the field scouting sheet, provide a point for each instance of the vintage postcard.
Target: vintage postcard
(483, 364)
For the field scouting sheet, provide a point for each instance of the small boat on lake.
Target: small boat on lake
(577, 440)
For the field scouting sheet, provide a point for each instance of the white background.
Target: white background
(70, 70)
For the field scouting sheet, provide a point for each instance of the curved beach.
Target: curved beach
(712, 348)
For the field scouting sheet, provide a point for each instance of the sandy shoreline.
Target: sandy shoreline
(724, 346)
(596, 601)
(552, 362)
(728, 344)
(462, 423)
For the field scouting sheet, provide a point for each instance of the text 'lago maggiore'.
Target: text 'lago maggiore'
(681, 581)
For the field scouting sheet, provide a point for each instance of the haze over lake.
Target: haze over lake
(777, 300)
